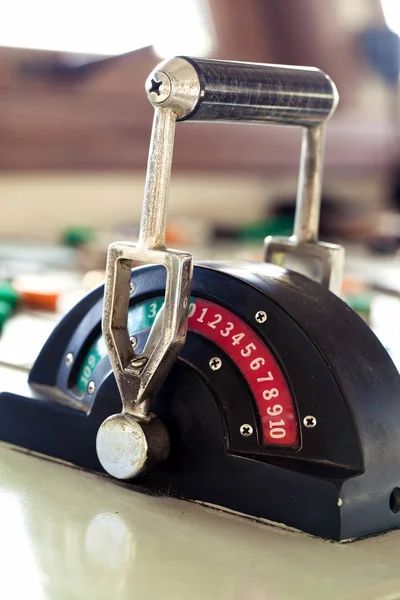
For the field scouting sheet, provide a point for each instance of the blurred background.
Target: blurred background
(75, 127)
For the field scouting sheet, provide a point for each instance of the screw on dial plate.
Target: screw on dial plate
(215, 363)
(132, 288)
(158, 87)
(309, 421)
(133, 341)
(69, 359)
(261, 316)
(91, 388)
(246, 430)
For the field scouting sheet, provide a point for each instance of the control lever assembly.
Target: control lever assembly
(248, 386)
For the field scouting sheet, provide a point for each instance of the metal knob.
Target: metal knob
(126, 448)
(217, 90)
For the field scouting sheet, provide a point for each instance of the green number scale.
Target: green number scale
(140, 317)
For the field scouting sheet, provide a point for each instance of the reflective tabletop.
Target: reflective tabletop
(68, 534)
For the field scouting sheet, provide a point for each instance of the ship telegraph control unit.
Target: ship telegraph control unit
(249, 386)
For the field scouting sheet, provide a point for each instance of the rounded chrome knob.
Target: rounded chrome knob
(127, 448)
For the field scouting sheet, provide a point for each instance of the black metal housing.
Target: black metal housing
(338, 485)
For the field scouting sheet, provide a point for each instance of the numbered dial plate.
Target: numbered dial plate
(244, 347)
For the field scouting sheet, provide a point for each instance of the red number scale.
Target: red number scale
(257, 365)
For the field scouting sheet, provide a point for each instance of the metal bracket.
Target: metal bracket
(303, 252)
(140, 375)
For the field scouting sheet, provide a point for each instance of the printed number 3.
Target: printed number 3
(152, 310)
(226, 332)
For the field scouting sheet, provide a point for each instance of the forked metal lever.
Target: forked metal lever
(130, 442)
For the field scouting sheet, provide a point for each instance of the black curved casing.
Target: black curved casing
(336, 485)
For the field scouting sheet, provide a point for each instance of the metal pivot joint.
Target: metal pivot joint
(200, 90)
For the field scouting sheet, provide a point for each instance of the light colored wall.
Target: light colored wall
(40, 206)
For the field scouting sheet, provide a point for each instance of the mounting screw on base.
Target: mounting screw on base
(261, 316)
(309, 421)
(127, 448)
(215, 363)
(246, 430)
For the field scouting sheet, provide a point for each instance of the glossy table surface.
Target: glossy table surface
(67, 534)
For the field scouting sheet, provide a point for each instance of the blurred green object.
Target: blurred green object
(8, 301)
(8, 294)
(77, 235)
(361, 304)
(280, 226)
(6, 311)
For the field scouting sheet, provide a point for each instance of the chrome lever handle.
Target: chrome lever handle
(217, 90)
(222, 91)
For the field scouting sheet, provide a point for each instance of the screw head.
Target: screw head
(69, 359)
(91, 388)
(215, 363)
(138, 363)
(132, 288)
(246, 430)
(158, 87)
(133, 341)
(309, 421)
(261, 316)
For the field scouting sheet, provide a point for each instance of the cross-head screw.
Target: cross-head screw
(246, 430)
(261, 316)
(215, 363)
(309, 421)
(158, 87)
